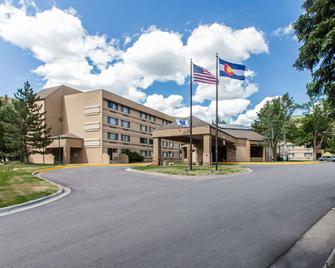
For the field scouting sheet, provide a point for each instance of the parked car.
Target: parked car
(327, 158)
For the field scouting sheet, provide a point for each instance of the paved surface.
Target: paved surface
(114, 218)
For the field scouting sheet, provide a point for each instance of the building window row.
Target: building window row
(167, 144)
(115, 137)
(144, 115)
(115, 122)
(166, 122)
(168, 154)
(146, 141)
(146, 128)
(115, 106)
(145, 153)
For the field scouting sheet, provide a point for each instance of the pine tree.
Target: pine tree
(28, 132)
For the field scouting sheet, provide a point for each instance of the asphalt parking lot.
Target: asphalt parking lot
(115, 218)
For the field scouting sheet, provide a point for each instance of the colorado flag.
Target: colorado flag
(231, 70)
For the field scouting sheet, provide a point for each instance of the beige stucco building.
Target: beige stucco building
(235, 143)
(97, 126)
(291, 151)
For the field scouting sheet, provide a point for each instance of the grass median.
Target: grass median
(18, 185)
(196, 171)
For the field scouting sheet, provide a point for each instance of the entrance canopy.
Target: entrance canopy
(231, 140)
(66, 147)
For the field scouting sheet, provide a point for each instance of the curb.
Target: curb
(62, 192)
(330, 263)
(279, 163)
(185, 177)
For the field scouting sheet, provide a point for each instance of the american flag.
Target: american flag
(202, 75)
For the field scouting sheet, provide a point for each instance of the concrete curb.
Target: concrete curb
(62, 192)
(330, 263)
(313, 247)
(196, 178)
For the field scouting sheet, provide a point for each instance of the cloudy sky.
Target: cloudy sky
(141, 50)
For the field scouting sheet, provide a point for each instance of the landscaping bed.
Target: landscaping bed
(18, 185)
(196, 170)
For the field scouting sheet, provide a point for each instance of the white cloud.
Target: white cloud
(232, 45)
(248, 117)
(72, 56)
(173, 105)
(285, 31)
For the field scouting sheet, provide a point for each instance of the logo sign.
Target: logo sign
(182, 123)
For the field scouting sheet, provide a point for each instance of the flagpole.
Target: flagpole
(190, 152)
(217, 115)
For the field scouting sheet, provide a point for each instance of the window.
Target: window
(150, 153)
(125, 123)
(112, 120)
(290, 146)
(163, 143)
(125, 138)
(151, 129)
(308, 155)
(125, 109)
(165, 122)
(144, 128)
(151, 141)
(256, 151)
(112, 105)
(112, 136)
(291, 155)
(144, 140)
(143, 115)
(143, 153)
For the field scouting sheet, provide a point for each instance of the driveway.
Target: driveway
(115, 218)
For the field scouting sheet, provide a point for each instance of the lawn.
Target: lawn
(196, 171)
(17, 185)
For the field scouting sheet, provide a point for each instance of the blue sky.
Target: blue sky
(274, 74)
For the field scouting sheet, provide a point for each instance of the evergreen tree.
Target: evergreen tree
(28, 133)
(8, 120)
(315, 29)
(274, 121)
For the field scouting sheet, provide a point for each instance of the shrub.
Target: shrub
(133, 156)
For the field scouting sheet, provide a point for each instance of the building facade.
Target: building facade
(235, 143)
(97, 126)
(290, 151)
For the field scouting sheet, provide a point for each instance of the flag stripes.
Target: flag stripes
(202, 75)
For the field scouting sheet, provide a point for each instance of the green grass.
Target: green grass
(17, 185)
(196, 171)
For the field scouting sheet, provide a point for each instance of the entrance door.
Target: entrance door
(222, 153)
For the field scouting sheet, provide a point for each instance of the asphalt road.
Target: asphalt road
(114, 218)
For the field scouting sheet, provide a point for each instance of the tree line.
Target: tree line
(313, 127)
(315, 31)
(23, 130)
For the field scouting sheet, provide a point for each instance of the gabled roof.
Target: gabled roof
(247, 134)
(236, 131)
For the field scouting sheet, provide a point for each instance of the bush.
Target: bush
(133, 156)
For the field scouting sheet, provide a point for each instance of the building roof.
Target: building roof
(46, 92)
(196, 122)
(248, 134)
(236, 131)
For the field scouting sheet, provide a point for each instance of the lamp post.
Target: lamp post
(59, 153)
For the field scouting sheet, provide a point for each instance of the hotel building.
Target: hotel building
(97, 126)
